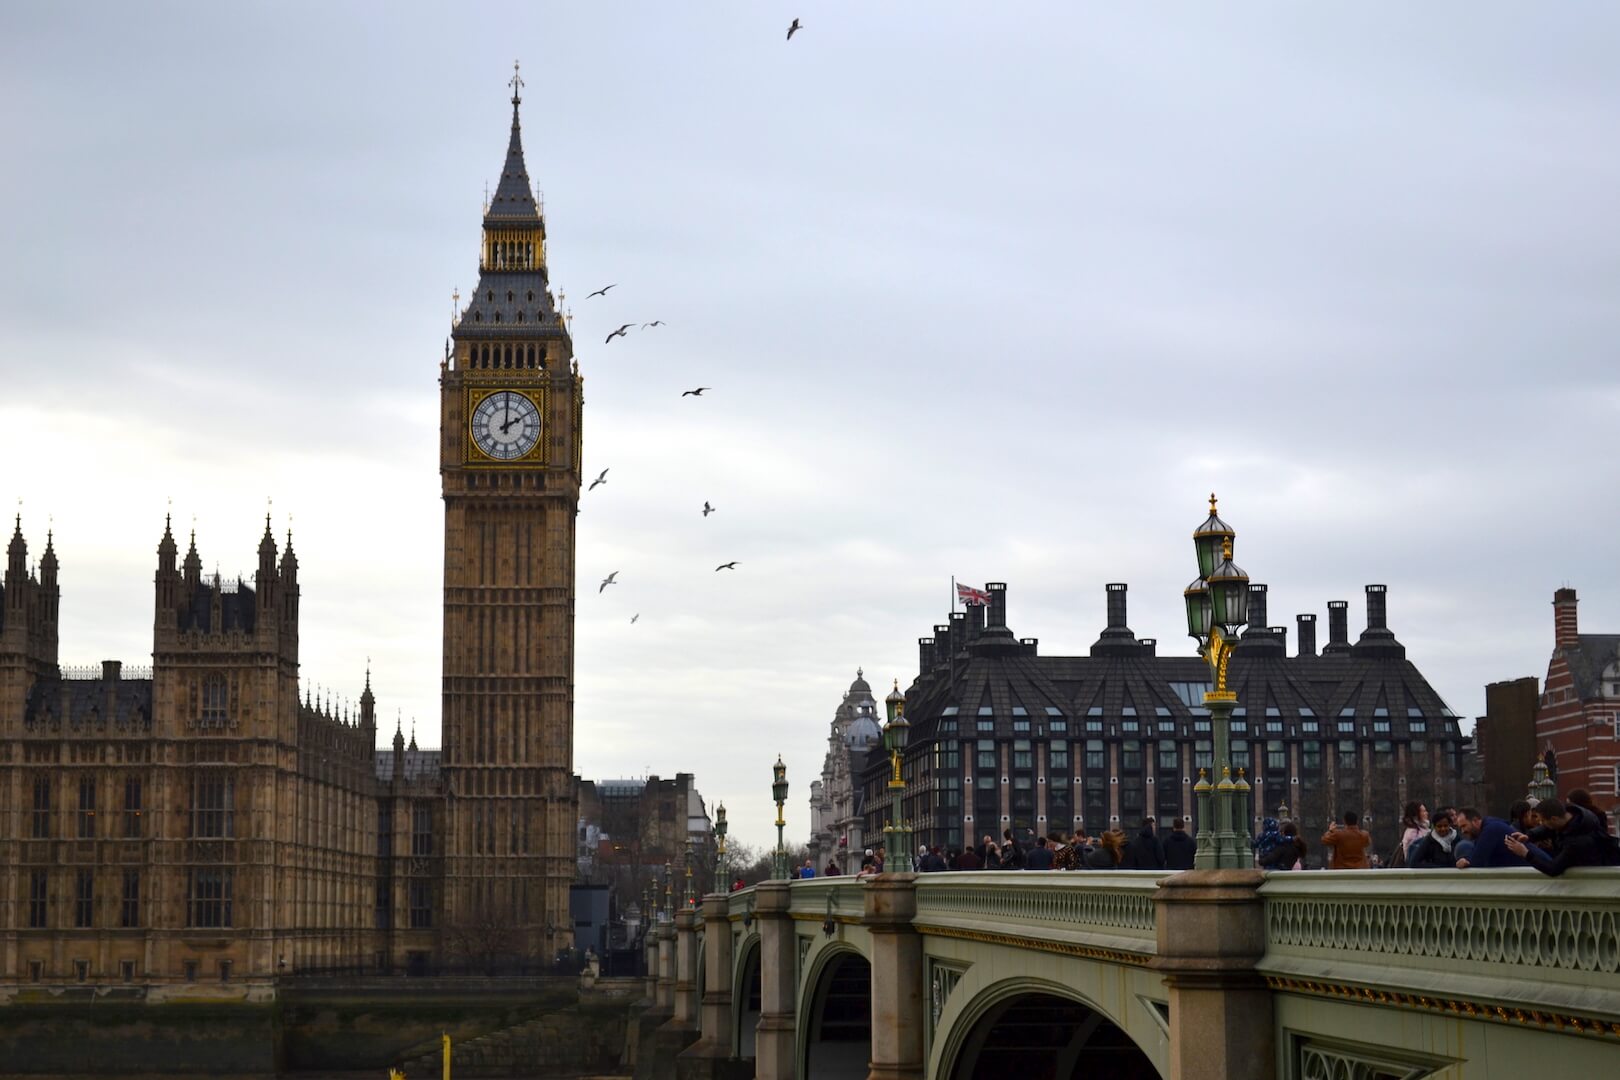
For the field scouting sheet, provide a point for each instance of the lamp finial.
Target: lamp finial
(1226, 548)
(1212, 502)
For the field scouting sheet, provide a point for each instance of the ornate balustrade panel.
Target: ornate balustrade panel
(1469, 940)
(1099, 914)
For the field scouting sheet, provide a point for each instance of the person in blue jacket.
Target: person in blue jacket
(1489, 835)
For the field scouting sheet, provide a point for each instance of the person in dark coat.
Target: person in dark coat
(1013, 857)
(1179, 848)
(1577, 840)
(1040, 856)
(1287, 853)
(1142, 851)
(931, 862)
(1437, 848)
(1583, 799)
(968, 860)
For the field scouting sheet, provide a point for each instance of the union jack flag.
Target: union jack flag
(967, 594)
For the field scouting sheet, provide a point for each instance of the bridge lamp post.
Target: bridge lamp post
(779, 792)
(896, 733)
(691, 858)
(1217, 609)
(720, 882)
(669, 890)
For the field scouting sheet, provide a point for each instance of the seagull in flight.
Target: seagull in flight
(732, 565)
(602, 291)
(634, 617)
(655, 322)
(606, 582)
(620, 332)
(707, 509)
(695, 393)
(599, 480)
(794, 29)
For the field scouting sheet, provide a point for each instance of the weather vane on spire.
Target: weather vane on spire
(516, 84)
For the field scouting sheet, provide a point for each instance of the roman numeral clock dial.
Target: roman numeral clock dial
(506, 425)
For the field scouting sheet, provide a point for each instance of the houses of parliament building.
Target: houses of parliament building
(199, 826)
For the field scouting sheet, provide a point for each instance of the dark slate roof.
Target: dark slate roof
(1072, 685)
(514, 196)
(510, 304)
(84, 703)
(238, 609)
(419, 765)
(1592, 654)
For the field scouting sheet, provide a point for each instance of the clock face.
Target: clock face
(506, 425)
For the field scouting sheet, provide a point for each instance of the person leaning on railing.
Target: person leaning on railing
(1576, 835)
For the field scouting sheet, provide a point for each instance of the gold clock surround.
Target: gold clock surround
(474, 457)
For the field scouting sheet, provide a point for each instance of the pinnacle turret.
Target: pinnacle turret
(47, 561)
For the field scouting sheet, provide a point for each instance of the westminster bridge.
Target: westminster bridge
(1204, 975)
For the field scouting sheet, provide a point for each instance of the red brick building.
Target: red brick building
(1579, 715)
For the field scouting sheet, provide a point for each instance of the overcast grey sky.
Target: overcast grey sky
(1000, 292)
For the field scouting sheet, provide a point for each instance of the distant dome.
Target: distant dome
(860, 685)
(862, 732)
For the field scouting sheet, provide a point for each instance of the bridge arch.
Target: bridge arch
(835, 1014)
(745, 998)
(1039, 1030)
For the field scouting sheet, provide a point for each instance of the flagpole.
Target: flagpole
(953, 592)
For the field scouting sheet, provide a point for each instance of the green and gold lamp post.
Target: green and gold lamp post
(691, 861)
(720, 882)
(779, 792)
(1217, 609)
(896, 733)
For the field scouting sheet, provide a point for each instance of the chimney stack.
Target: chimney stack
(1307, 634)
(1257, 610)
(998, 603)
(1566, 629)
(1338, 628)
(925, 655)
(1116, 638)
(111, 670)
(1116, 606)
(1378, 640)
(975, 622)
(942, 644)
(959, 633)
(1377, 607)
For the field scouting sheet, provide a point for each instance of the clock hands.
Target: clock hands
(508, 423)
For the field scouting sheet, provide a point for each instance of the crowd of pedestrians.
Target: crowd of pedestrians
(1551, 835)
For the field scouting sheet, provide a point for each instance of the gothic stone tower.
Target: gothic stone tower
(510, 410)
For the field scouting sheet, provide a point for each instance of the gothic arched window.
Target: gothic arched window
(214, 699)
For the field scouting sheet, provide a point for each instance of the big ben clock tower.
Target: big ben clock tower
(509, 456)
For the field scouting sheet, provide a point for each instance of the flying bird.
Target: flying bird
(707, 509)
(606, 582)
(794, 29)
(634, 617)
(599, 480)
(695, 393)
(602, 291)
(655, 322)
(732, 565)
(619, 332)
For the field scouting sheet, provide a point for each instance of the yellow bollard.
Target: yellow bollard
(446, 1039)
